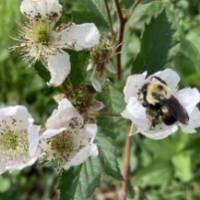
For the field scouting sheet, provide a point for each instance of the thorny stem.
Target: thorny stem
(109, 16)
(123, 20)
(122, 24)
(127, 153)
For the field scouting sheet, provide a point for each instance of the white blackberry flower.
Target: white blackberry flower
(68, 141)
(144, 117)
(19, 139)
(40, 39)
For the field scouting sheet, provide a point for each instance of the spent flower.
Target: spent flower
(100, 63)
(82, 99)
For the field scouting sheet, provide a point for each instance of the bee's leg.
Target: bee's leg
(156, 117)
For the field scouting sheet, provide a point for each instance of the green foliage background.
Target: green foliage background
(159, 34)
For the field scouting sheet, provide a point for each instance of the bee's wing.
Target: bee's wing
(177, 110)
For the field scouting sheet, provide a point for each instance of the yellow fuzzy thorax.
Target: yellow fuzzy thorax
(157, 91)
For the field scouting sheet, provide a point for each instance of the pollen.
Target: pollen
(14, 144)
(62, 145)
(42, 33)
(9, 140)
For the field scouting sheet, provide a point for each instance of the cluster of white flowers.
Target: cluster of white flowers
(69, 138)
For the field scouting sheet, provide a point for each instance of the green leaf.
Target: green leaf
(113, 98)
(163, 149)
(114, 102)
(107, 154)
(5, 184)
(100, 6)
(79, 183)
(182, 164)
(42, 71)
(97, 9)
(127, 3)
(166, 148)
(158, 172)
(155, 45)
(79, 62)
(85, 11)
(187, 58)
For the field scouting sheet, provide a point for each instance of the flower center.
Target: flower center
(10, 141)
(62, 145)
(42, 33)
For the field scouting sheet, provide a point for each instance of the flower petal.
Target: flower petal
(59, 67)
(194, 122)
(170, 77)
(137, 114)
(41, 9)
(91, 130)
(189, 98)
(159, 132)
(82, 155)
(33, 137)
(20, 166)
(96, 105)
(2, 168)
(62, 116)
(78, 37)
(97, 82)
(17, 116)
(133, 84)
(84, 138)
(49, 133)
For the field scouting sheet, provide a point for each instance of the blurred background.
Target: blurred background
(160, 170)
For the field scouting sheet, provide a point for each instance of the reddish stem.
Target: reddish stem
(122, 24)
(109, 16)
(127, 153)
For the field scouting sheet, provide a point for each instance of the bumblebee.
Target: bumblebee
(161, 104)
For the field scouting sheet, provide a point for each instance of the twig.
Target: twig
(119, 10)
(124, 186)
(122, 23)
(109, 16)
(135, 4)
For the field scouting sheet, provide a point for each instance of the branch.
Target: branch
(132, 8)
(135, 3)
(109, 16)
(122, 23)
(124, 186)
(119, 10)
